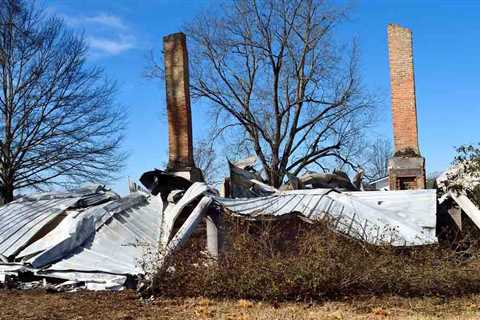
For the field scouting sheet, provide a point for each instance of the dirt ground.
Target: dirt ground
(125, 305)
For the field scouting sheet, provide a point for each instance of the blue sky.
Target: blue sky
(121, 34)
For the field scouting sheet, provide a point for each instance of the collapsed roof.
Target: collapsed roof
(456, 183)
(398, 218)
(89, 235)
(93, 236)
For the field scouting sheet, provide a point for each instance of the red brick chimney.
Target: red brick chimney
(407, 167)
(180, 145)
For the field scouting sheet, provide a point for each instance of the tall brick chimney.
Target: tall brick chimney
(180, 145)
(407, 167)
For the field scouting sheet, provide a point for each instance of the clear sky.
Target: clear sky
(121, 34)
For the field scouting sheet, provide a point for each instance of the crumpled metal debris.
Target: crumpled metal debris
(246, 182)
(399, 218)
(337, 180)
(89, 235)
(456, 183)
(161, 182)
(94, 239)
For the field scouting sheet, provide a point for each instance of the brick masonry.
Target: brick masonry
(407, 168)
(402, 82)
(180, 144)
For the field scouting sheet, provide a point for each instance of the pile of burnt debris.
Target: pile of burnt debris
(92, 238)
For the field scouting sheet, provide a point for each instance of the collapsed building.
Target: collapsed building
(93, 238)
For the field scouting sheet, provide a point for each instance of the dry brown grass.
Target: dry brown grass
(286, 270)
(295, 261)
(126, 306)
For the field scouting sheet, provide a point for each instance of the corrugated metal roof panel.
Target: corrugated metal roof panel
(398, 218)
(417, 206)
(20, 221)
(120, 243)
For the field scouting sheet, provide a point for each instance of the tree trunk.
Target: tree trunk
(7, 193)
(275, 178)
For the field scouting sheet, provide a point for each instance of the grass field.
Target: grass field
(125, 305)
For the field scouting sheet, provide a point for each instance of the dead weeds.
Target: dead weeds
(295, 261)
(125, 306)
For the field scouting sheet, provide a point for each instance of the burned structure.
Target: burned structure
(406, 169)
(95, 239)
(180, 145)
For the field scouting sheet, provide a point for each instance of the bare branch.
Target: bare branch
(59, 122)
(272, 67)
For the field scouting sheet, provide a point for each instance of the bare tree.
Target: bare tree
(206, 160)
(272, 73)
(59, 122)
(377, 156)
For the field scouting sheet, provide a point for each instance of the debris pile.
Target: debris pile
(397, 218)
(89, 236)
(457, 184)
(94, 239)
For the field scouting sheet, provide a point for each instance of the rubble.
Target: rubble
(92, 238)
(456, 184)
(245, 182)
(396, 218)
(88, 235)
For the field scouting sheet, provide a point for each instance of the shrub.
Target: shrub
(293, 260)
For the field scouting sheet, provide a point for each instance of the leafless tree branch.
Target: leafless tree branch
(273, 67)
(59, 121)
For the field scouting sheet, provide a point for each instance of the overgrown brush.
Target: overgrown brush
(293, 260)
